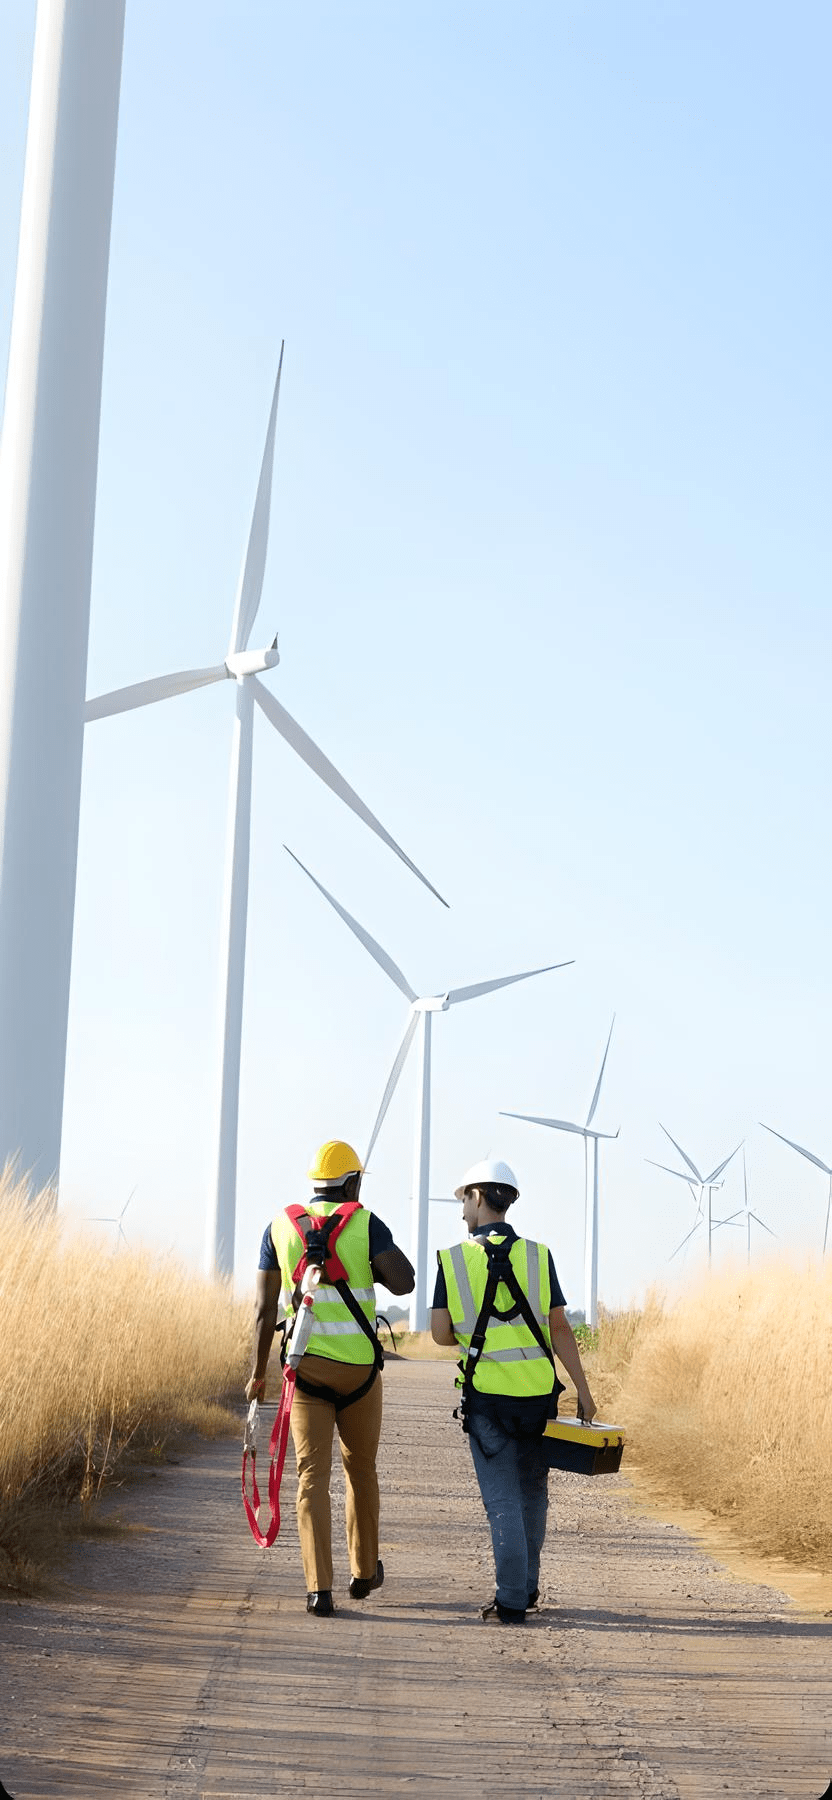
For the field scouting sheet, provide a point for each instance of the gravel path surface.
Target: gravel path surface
(182, 1663)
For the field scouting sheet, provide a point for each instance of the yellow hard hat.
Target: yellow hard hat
(334, 1162)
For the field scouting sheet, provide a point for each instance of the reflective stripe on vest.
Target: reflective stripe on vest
(511, 1362)
(335, 1332)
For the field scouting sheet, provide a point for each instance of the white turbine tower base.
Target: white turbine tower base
(243, 666)
(590, 1200)
(418, 1025)
(48, 471)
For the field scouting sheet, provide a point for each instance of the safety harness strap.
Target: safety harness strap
(339, 1401)
(319, 1235)
(500, 1269)
(277, 1457)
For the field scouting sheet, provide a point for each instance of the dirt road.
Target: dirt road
(182, 1663)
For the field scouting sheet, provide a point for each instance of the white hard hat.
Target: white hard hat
(486, 1171)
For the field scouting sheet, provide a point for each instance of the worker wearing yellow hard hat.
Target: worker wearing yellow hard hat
(498, 1296)
(337, 1379)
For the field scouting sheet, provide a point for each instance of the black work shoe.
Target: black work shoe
(362, 1585)
(496, 1614)
(320, 1603)
(531, 1603)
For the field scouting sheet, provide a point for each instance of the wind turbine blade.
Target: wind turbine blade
(799, 1148)
(554, 1124)
(146, 693)
(720, 1166)
(731, 1217)
(392, 1082)
(490, 987)
(380, 956)
(763, 1223)
(326, 771)
(679, 1173)
(254, 562)
(686, 1159)
(591, 1114)
(685, 1240)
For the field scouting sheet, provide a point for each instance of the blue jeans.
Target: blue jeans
(513, 1480)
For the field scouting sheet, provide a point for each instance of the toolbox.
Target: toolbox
(584, 1449)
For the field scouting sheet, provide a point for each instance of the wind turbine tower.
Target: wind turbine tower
(48, 472)
(590, 1136)
(422, 1009)
(242, 666)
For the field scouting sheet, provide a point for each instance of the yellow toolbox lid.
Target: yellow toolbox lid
(574, 1431)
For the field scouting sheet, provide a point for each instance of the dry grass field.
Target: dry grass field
(101, 1355)
(726, 1393)
(727, 1399)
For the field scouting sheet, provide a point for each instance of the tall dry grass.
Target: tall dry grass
(98, 1352)
(727, 1398)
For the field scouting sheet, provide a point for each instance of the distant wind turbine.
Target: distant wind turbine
(421, 1009)
(242, 666)
(818, 1165)
(746, 1213)
(697, 1186)
(590, 1206)
(121, 1237)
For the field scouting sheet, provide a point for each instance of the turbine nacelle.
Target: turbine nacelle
(432, 1003)
(252, 662)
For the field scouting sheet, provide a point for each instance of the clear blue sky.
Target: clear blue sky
(550, 565)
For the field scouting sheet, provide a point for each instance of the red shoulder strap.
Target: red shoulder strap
(304, 1221)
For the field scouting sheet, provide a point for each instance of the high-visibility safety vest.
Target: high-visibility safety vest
(335, 1332)
(511, 1361)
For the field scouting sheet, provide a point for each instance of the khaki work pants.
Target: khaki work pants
(359, 1430)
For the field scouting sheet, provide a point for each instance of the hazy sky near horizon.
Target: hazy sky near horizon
(550, 567)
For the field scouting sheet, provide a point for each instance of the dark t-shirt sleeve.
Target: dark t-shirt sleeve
(381, 1237)
(268, 1254)
(440, 1292)
(558, 1297)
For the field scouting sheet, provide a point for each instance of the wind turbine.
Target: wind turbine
(422, 1007)
(242, 666)
(48, 475)
(746, 1213)
(590, 1207)
(121, 1236)
(700, 1182)
(818, 1165)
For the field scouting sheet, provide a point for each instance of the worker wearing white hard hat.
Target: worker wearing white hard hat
(488, 1174)
(498, 1296)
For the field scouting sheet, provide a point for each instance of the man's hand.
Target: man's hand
(566, 1349)
(586, 1403)
(255, 1388)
